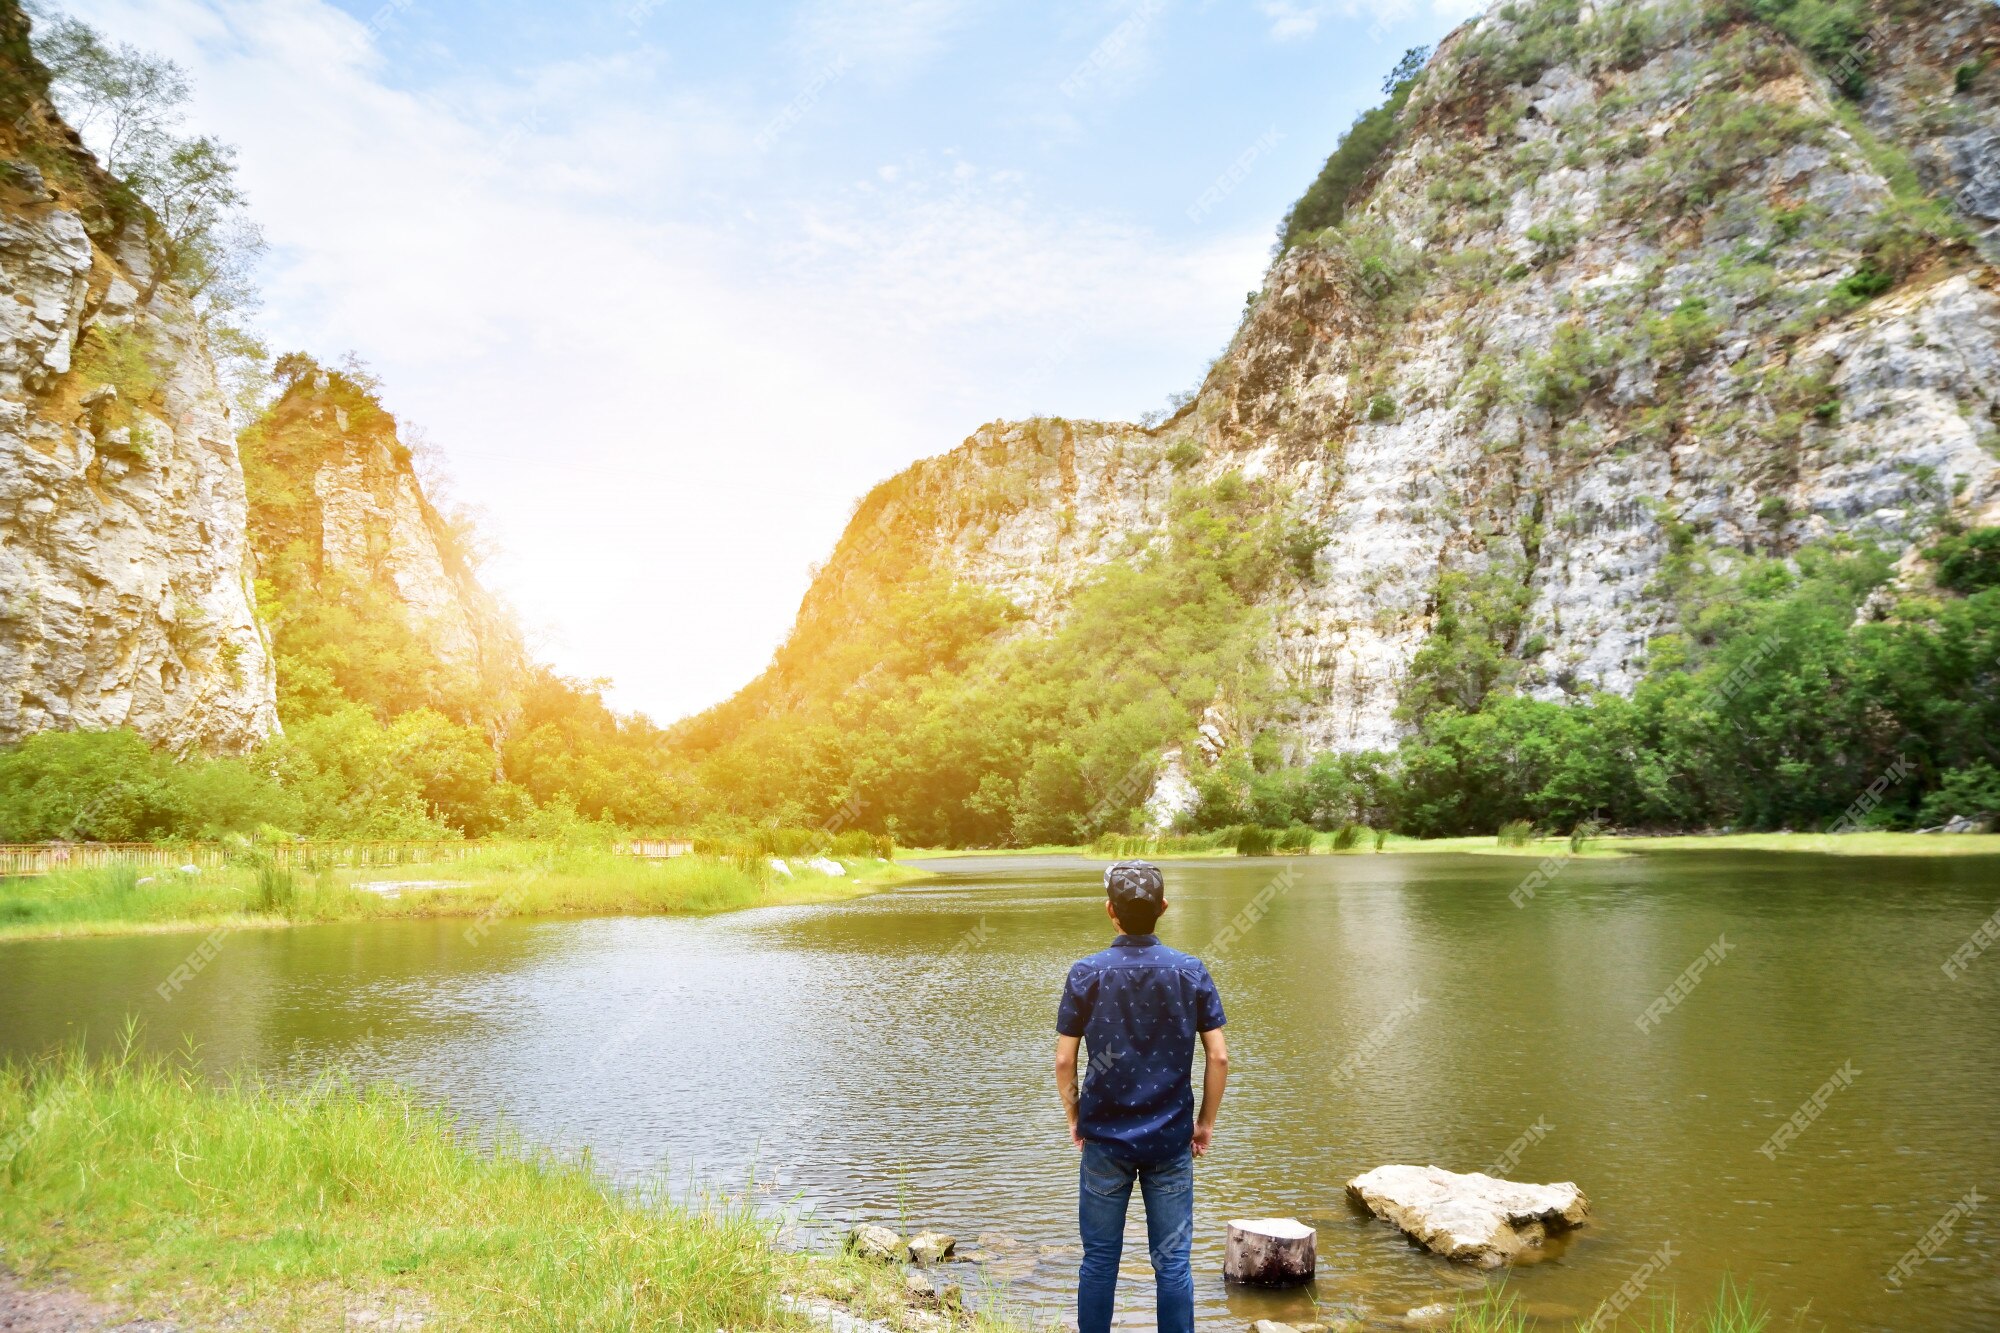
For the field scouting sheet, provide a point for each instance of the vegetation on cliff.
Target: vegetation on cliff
(1777, 709)
(128, 105)
(942, 725)
(1356, 157)
(477, 741)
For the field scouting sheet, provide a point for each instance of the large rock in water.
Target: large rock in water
(1472, 1218)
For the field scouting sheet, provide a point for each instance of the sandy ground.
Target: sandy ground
(56, 1308)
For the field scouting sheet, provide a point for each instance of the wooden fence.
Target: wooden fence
(654, 849)
(40, 858)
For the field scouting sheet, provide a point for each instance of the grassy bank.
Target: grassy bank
(1831, 844)
(522, 879)
(336, 1205)
(548, 880)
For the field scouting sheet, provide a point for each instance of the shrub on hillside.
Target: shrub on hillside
(1832, 32)
(1968, 562)
(857, 843)
(110, 786)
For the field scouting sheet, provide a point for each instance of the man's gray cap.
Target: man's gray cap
(1135, 882)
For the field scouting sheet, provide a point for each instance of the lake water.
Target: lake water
(890, 1058)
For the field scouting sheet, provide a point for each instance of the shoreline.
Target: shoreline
(557, 886)
(1607, 847)
(513, 882)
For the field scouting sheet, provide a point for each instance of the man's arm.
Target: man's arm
(1066, 1083)
(1213, 1075)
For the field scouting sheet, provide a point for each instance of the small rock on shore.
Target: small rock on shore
(877, 1243)
(924, 1287)
(930, 1247)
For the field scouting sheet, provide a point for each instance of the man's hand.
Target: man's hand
(1215, 1073)
(1066, 1085)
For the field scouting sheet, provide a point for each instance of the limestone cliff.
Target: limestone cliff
(1630, 279)
(126, 581)
(377, 523)
(337, 508)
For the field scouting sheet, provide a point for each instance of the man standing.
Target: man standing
(1139, 1005)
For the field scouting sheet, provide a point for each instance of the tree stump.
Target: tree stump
(1269, 1252)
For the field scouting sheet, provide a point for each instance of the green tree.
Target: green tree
(1470, 651)
(1354, 158)
(128, 105)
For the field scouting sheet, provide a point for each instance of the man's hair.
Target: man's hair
(1137, 918)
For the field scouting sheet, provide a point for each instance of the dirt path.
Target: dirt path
(58, 1309)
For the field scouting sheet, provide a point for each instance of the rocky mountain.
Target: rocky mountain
(126, 580)
(1628, 280)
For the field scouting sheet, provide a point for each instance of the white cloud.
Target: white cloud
(952, 245)
(1291, 20)
(662, 378)
(887, 36)
(1121, 54)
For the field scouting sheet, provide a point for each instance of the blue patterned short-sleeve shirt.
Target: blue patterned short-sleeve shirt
(1138, 1007)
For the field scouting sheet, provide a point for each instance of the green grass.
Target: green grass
(269, 1208)
(963, 853)
(1732, 1310)
(1494, 1314)
(520, 879)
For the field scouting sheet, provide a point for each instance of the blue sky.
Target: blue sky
(665, 286)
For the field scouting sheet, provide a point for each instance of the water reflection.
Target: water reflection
(890, 1058)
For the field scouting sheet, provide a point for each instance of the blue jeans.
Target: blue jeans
(1104, 1188)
